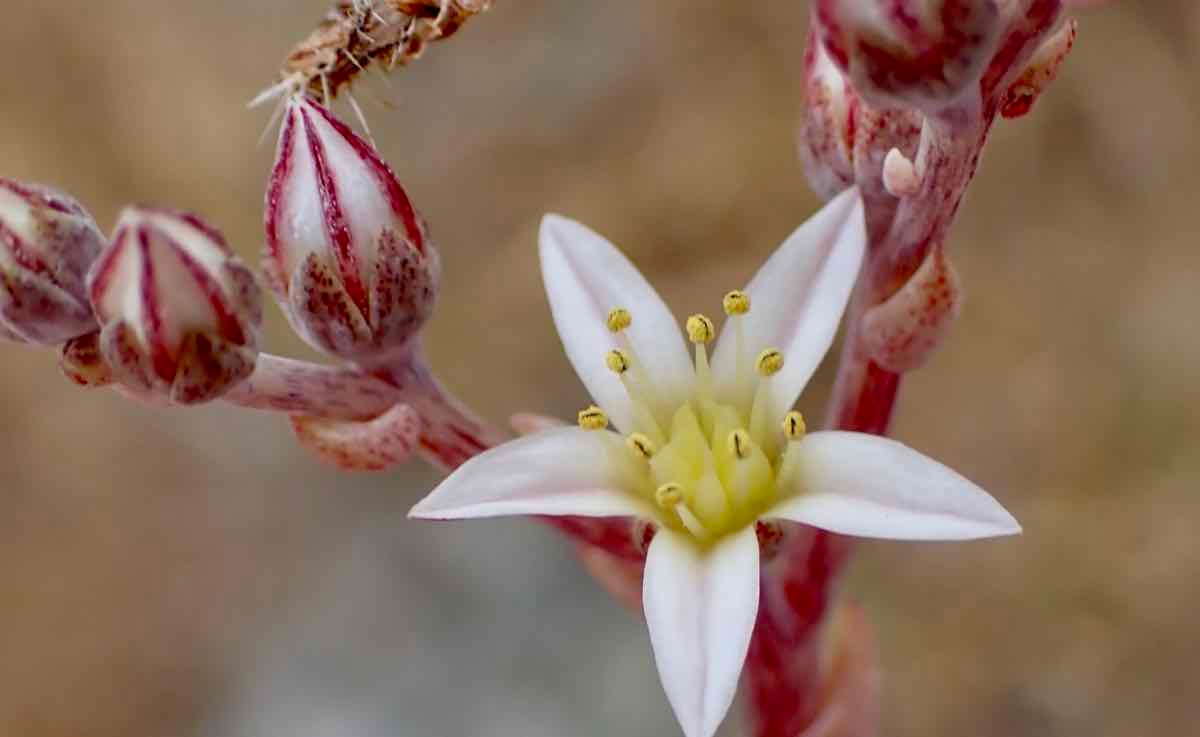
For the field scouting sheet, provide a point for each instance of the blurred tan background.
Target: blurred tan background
(194, 573)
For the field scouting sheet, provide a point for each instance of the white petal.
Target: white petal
(797, 300)
(700, 608)
(586, 277)
(865, 485)
(565, 471)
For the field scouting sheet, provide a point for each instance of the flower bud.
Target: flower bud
(1039, 72)
(347, 255)
(922, 53)
(47, 243)
(180, 313)
(827, 123)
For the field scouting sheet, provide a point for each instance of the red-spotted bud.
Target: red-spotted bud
(923, 53)
(179, 312)
(347, 255)
(1040, 71)
(47, 244)
(827, 124)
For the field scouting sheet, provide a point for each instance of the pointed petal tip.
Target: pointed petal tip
(557, 472)
(700, 609)
(868, 486)
(559, 231)
(422, 510)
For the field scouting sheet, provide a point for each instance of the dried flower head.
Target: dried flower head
(357, 35)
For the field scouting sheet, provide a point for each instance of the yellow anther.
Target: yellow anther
(794, 426)
(668, 495)
(617, 361)
(736, 303)
(593, 418)
(619, 319)
(640, 444)
(700, 329)
(739, 443)
(769, 362)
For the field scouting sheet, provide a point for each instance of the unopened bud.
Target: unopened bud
(47, 244)
(923, 53)
(827, 123)
(1039, 72)
(347, 255)
(179, 312)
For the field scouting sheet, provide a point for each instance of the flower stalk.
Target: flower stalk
(908, 231)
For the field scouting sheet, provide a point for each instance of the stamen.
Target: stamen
(736, 303)
(622, 364)
(769, 362)
(617, 361)
(619, 319)
(640, 445)
(700, 332)
(748, 478)
(700, 329)
(739, 444)
(669, 495)
(794, 426)
(691, 522)
(593, 418)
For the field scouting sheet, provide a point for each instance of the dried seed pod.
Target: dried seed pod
(357, 35)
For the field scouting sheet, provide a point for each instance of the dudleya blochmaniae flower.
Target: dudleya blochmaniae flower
(706, 446)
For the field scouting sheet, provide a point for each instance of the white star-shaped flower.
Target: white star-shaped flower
(705, 448)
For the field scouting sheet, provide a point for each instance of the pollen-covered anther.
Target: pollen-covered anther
(619, 319)
(736, 303)
(617, 361)
(700, 329)
(669, 495)
(794, 426)
(739, 443)
(769, 362)
(640, 445)
(593, 418)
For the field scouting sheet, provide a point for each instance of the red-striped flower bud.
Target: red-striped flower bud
(47, 243)
(180, 313)
(924, 53)
(347, 255)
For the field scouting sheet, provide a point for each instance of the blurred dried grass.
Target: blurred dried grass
(171, 573)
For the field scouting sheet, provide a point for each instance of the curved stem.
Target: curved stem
(299, 387)
(784, 669)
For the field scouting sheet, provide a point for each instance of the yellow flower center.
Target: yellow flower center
(712, 466)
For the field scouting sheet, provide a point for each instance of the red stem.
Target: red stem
(784, 669)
